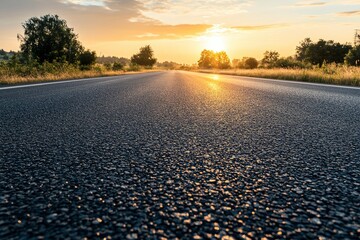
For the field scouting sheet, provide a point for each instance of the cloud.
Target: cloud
(349, 13)
(127, 20)
(170, 31)
(259, 27)
(310, 4)
(183, 11)
(101, 3)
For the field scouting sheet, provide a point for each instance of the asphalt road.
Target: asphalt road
(180, 155)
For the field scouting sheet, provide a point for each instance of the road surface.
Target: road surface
(179, 155)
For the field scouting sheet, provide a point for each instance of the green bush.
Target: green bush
(251, 63)
(108, 66)
(133, 68)
(117, 66)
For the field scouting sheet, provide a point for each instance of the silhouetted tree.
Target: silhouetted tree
(290, 62)
(322, 51)
(270, 58)
(144, 57)
(353, 57)
(87, 59)
(301, 51)
(48, 38)
(251, 63)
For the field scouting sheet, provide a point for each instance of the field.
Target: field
(25, 74)
(331, 74)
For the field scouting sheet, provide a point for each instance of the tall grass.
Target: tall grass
(16, 73)
(329, 74)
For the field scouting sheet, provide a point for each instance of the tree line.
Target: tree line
(308, 54)
(49, 40)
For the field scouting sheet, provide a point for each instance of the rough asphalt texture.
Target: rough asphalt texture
(180, 155)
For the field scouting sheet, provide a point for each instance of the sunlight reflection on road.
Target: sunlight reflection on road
(215, 77)
(214, 86)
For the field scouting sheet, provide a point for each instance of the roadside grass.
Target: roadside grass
(27, 74)
(329, 74)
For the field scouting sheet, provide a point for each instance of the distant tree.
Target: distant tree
(353, 57)
(144, 58)
(207, 59)
(235, 63)
(301, 51)
(290, 62)
(222, 60)
(117, 66)
(108, 66)
(48, 38)
(87, 59)
(113, 59)
(251, 63)
(210, 59)
(168, 65)
(270, 58)
(322, 52)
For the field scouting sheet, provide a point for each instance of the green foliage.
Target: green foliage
(322, 51)
(270, 58)
(210, 59)
(302, 50)
(133, 68)
(48, 38)
(251, 63)
(245, 63)
(144, 58)
(108, 66)
(168, 65)
(353, 57)
(290, 62)
(6, 55)
(87, 59)
(111, 60)
(117, 66)
(32, 69)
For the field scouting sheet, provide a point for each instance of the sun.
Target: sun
(215, 43)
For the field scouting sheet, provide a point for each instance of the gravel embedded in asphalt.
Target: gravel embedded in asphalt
(180, 155)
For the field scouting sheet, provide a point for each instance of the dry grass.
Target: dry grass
(339, 75)
(7, 78)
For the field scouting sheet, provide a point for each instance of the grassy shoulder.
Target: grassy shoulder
(9, 76)
(330, 74)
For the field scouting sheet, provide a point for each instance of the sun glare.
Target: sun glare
(215, 43)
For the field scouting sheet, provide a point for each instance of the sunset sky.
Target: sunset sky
(178, 30)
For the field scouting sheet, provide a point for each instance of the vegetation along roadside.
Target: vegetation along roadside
(50, 50)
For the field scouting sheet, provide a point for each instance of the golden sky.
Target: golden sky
(178, 30)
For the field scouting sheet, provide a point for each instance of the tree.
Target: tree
(117, 66)
(270, 57)
(207, 59)
(251, 63)
(222, 60)
(301, 51)
(48, 38)
(236, 63)
(87, 59)
(210, 59)
(353, 57)
(144, 57)
(322, 51)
